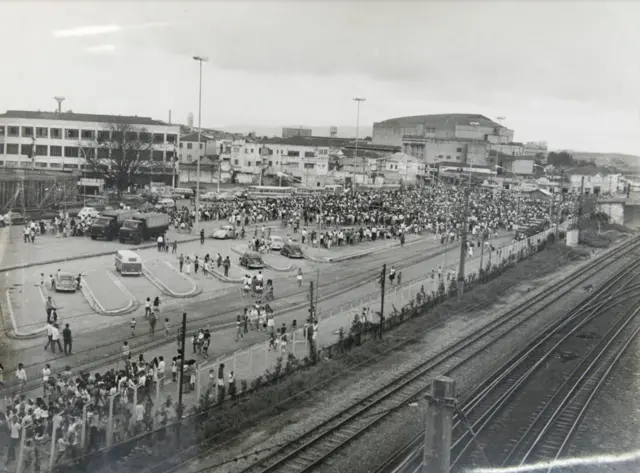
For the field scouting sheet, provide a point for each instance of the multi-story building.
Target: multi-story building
(596, 181)
(401, 168)
(62, 140)
(536, 149)
(450, 126)
(290, 132)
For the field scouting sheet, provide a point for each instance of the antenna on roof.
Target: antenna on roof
(60, 100)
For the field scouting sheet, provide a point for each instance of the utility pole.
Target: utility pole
(481, 251)
(463, 244)
(437, 438)
(383, 281)
(355, 161)
(182, 361)
(197, 199)
(312, 309)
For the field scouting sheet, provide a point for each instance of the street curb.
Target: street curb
(13, 331)
(362, 253)
(97, 306)
(223, 278)
(165, 289)
(291, 267)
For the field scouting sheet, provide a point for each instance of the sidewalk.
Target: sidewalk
(345, 252)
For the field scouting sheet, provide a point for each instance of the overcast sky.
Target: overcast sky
(567, 73)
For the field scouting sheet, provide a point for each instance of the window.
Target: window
(55, 165)
(235, 161)
(131, 136)
(13, 148)
(13, 131)
(71, 151)
(293, 153)
(145, 137)
(448, 157)
(270, 163)
(309, 165)
(42, 132)
(181, 145)
(103, 135)
(55, 151)
(158, 155)
(189, 158)
(158, 138)
(144, 155)
(55, 133)
(71, 134)
(26, 150)
(103, 153)
(309, 154)
(42, 150)
(249, 163)
(200, 145)
(87, 134)
(189, 145)
(41, 165)
(27, 131)
(169, 155)
(1, 148)
(172, 138)
(458, 150)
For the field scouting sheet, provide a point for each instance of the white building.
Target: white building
(595, 182)
(535, 148)
(401, 167)
(60, 140)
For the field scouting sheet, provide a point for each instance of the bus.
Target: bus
(333, 189)
(274, 192)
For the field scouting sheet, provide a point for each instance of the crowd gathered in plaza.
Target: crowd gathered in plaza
(64, 397)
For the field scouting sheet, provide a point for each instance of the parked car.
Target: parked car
(209, 196)
(291, 251)
(276, 243)
(226, 196)
(166, 204)
(90, 212)
(64, 282)
(252, 260)
(225, 232)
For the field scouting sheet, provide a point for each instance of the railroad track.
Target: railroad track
(555, 421)
(479, 439)
(306, 452)
(493, 393)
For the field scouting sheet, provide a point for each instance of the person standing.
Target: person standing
(55, 339)
(21, 376)
(49, 307)
(66, 339)
(227, 265)
(181, 261)
(202, 236)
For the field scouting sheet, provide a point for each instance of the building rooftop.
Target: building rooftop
(82, 117)
(324, 141)
(440, 121)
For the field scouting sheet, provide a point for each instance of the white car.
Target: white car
(225, 232)
(209, 196)
(276, 242)
(90, 212)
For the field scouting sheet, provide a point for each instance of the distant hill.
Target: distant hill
(343, 131)
(626, 163)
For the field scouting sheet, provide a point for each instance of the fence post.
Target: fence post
(52, 452)
(84, 427)
(23, 433)
(110, 421)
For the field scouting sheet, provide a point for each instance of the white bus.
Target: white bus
(263, 192)
(333, 189)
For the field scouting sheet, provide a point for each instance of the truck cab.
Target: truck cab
(108, 224)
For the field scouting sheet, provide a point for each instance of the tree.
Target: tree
(122, 151)
(560, 159)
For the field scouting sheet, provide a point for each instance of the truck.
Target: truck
(142, 227)
(108, 224)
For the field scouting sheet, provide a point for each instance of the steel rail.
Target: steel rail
(314, 446)
(499, 389)
(409, 457)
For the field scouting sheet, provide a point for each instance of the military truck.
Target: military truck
(142, 227)
(108, 224)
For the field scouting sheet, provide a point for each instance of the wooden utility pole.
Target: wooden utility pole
(437, 442)
(383, 282)
(463, 244)
(312, 308)
(180, 377)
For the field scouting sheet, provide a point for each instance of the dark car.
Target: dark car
(252, 260)
(291, 251)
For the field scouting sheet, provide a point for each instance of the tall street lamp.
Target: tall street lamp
(358, 100)
(200, 59)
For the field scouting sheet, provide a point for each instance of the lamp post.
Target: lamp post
(200, 59)
(358, 100)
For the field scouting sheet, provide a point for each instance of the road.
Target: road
(97, 345)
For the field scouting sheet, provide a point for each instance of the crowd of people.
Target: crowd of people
(325, 220)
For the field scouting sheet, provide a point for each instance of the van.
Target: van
(128, 262)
